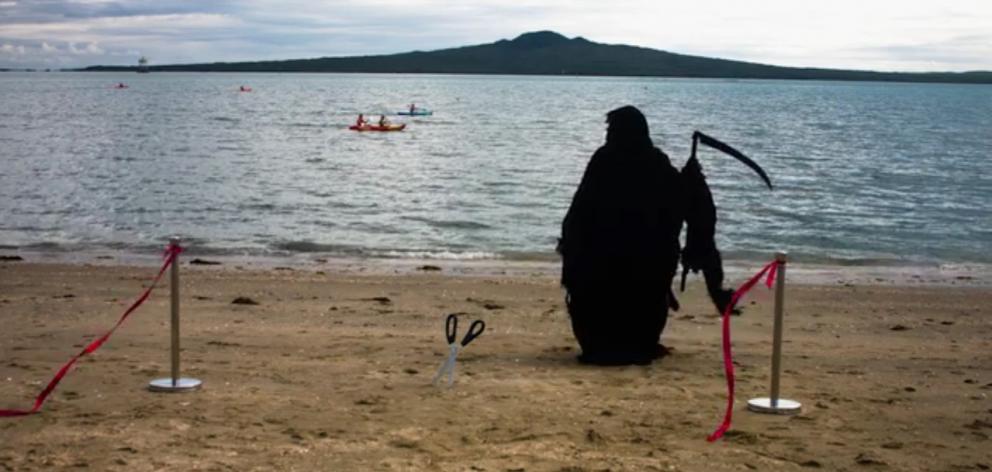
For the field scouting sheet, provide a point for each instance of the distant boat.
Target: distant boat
(143, 65)
(416, 112)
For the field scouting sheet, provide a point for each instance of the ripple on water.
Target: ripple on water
(863, 172)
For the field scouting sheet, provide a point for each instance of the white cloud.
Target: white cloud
(7, 48)
(87, 49)
(95, 29)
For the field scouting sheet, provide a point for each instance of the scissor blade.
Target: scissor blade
(448, 366)
(451, 371)
(439, 373)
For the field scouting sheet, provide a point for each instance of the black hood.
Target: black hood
(627, 128)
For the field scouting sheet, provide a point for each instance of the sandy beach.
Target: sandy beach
(332, 369)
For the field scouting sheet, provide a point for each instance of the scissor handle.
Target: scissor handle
(451, 328)
(473, 332)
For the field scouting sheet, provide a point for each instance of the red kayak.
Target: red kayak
(398, 127)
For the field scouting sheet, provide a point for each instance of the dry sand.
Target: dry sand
(332, 371)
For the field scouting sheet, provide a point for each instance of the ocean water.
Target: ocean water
(864, 173)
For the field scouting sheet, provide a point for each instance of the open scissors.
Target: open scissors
(451, 333)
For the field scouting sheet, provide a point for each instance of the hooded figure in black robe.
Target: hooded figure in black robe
(620, 244)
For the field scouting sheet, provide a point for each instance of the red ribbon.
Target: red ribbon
(728, 359)
(171, 252)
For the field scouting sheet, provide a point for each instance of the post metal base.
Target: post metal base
(180, 385)
(781, 407)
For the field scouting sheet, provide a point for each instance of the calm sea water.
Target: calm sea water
(865, 173)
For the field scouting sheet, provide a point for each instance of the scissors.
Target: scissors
(451, 333)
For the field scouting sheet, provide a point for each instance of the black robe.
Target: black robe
(620, 245)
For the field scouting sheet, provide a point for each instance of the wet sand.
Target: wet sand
(332, 370)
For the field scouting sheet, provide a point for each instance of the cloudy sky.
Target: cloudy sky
(904, 35)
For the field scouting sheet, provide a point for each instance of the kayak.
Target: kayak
(398, 127)
(416, 112)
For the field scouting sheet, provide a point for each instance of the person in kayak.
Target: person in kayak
(361, 121)
(413, 108)
(383, 122)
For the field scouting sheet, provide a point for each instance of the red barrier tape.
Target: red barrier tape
(171, 252)
(728, 360)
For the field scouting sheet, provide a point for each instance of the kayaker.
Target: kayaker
(361, 120)
(383, 121)
(413, 107)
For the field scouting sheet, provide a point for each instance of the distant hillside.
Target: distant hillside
(549, 53)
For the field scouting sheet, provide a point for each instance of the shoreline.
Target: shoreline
(950, 274)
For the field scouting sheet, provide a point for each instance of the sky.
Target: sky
(906, 35)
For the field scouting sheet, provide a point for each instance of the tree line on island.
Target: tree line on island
(550, 53)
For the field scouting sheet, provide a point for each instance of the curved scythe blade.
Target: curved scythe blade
(727, 149)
